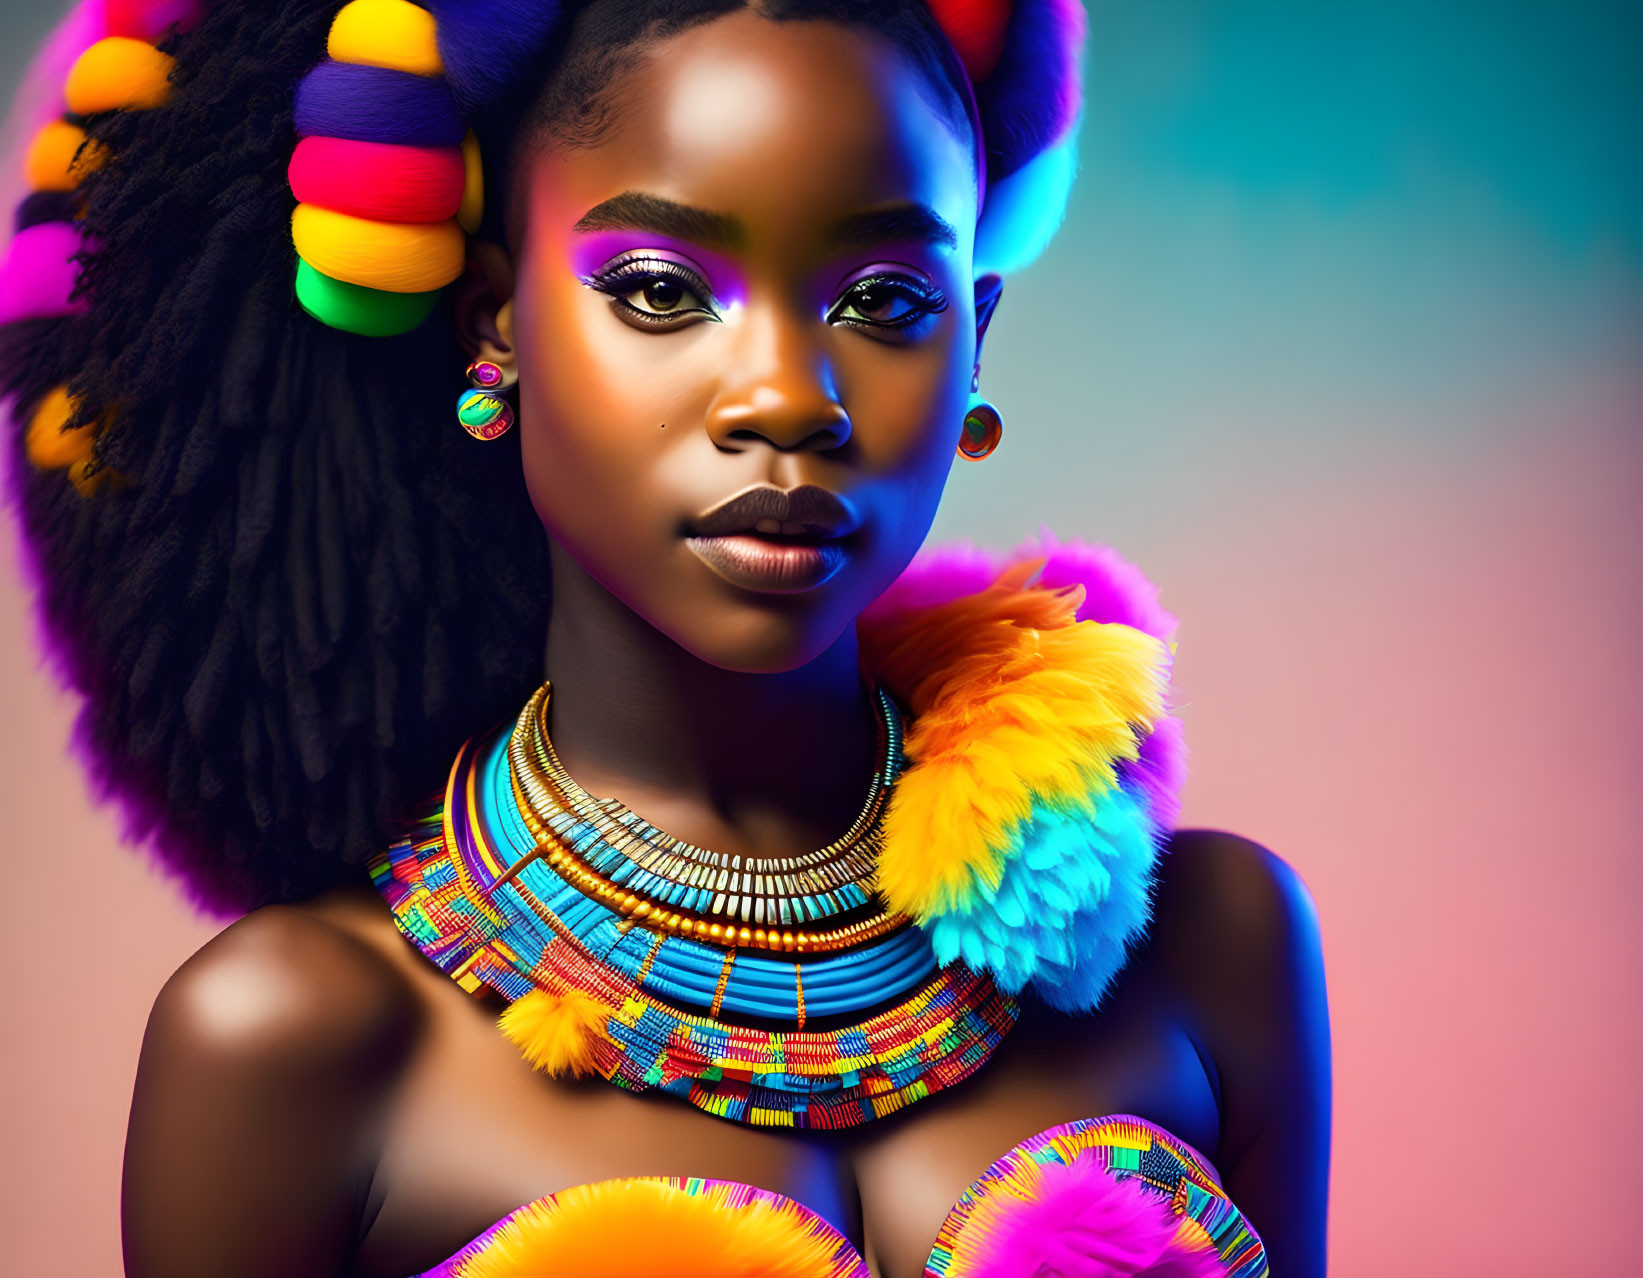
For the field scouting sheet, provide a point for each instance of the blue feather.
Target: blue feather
(1075, 896)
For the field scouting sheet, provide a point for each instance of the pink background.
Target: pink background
(1347, 361)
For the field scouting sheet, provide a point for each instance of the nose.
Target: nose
(783, 392)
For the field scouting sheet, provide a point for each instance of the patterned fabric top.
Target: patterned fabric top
(1097, 1198)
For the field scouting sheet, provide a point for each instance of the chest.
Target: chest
(472, 1133)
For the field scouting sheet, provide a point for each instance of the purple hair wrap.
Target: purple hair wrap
(375, 104)
(486, 44)
(42, 206)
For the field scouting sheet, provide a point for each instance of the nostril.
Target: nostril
(812, 430)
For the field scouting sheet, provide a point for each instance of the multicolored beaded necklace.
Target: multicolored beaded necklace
(694, 972)
(1010, 846)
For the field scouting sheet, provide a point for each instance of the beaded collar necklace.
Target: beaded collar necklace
(1007, 841)
(576, 911)
(680, 889)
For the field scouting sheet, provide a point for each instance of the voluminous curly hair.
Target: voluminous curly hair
(304, 586)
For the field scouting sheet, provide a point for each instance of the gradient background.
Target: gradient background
(1341, 345)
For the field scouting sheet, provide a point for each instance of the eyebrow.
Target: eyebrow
(904, 222)
(638, 211)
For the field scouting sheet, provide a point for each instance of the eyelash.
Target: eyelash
(925, 302)
(633, 274)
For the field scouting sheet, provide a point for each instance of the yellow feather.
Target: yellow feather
(559, 1034)
(639, 1227)
(1013, 700)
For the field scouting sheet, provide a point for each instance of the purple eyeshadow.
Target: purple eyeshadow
(591, 253)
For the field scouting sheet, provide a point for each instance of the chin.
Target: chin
(770, 634)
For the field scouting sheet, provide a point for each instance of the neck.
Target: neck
(762, 764)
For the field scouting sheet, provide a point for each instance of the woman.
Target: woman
(731, 266)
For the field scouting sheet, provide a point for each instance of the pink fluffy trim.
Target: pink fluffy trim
(1080, 1221)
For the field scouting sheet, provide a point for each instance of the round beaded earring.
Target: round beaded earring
(983, 428)
(483, 412)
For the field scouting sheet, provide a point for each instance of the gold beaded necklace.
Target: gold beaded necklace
(608, 852)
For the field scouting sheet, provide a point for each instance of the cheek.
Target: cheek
(599, 422)
(907, 408)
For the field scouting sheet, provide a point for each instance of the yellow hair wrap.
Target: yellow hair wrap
(48, 445)
(86, 480)
(472, 209)
(51, 153)
(386, 33)
(397, 257)
(118, 73)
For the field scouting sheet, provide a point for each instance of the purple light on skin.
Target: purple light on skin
(592, 252)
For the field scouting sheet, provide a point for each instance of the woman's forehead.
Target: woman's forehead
(788, 130)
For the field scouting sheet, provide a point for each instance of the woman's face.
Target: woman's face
(745, 325)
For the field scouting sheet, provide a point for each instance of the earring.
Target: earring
(983, 428)
(483, 412)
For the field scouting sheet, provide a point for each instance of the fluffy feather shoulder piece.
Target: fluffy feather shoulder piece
(1044, 766)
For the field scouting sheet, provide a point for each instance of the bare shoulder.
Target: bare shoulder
(1236, 929)
(1239, 931)
(1223, 896)
(268, 1063)
(286, 986)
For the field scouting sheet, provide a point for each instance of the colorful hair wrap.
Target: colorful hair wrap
(43, 206)
(405, 76)
(385, 169)
(52, 445)
(38, 272)
(386, 33)
(118, 73)
(115, 66)
(376, 104)
(55, 161)
(374, 180)
(976, 28)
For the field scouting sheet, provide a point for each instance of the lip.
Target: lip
(805, 511)
(775, 540)
(770, 567)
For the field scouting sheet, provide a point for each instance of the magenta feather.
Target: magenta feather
(1081, 1221)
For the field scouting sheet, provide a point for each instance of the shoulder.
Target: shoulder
(1237, 931)
(269, 1058)
(285, 987)
(1226, 894)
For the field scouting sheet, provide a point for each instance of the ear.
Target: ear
(482, 304)
(989, 288)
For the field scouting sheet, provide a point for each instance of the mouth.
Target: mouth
(773, 540)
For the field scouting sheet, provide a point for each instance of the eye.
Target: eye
(654, 291)
(892, 304)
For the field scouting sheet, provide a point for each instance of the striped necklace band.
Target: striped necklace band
(767, 902)
(721, 1026)
(706, 974)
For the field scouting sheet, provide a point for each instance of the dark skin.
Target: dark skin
(314, 1097)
